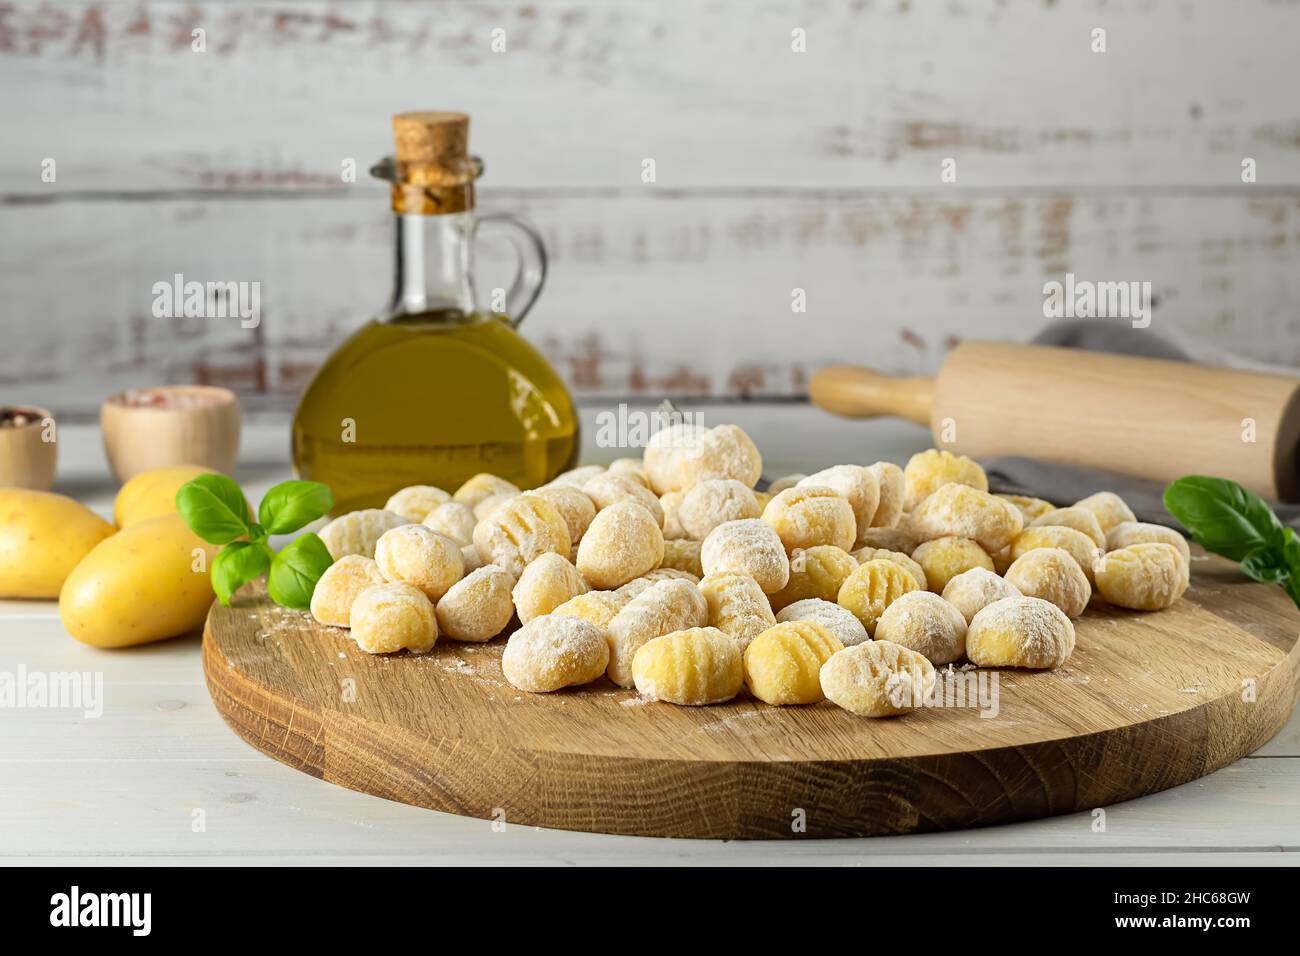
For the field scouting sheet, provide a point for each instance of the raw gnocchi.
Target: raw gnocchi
(877, 679)
(872, 588)
(840, 621)
(519, 531)
(478, 607)
(930, 470)
(714, 502)
(1142, 577)
(783, 664)
(693, 667)
(942, 559)
(386, 618)
(1051, 574)
(553, 652)
(1020, 632)
(817, 572)
(415, 502)
(419, 556)
(357, 532)
(547, 582)
(748, 546)
(924, 622)
(623, 542)
(660, 609)
(808, 515)
(737, 606)
(338, 587)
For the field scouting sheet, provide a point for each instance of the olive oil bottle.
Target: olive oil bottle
(434, 390)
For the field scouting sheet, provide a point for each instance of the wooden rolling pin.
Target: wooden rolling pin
(1148, 417)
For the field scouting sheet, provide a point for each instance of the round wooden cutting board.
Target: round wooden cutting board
(1146, 702)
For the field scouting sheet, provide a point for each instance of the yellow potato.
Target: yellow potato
(147, 582)
(42, 537)
(152, 493)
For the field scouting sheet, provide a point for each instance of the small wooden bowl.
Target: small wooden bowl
(170, 425)
(27, 460)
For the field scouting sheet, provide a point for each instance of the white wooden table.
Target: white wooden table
(160, 778)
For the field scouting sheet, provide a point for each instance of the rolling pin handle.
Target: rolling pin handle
(861, 393)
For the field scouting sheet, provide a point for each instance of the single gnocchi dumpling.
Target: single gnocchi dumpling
(1109, 508)
(415, 502)
(889, 477)
(575, 507)
(1080, 519)
(808, 515)
(1030, 508)
(693, 667)
(683, 554)
(1051, 574)
(632, 467)
(483, 486)
(840, 621)
(961, 511)
(865, 554)
(972, 591)
(604, 490)
(547, 582)
(671, 502)
(878, 679)
(623, 542)
(1077, 544)
(421, 557)
(665, 453)
(660, 609)
(598, 607)
(452, 520)
(872, 588)
(552, 652)
(651, 578)
(470, 556)
(749, 546)
(928, 471)
(858, 485)
(942, 559)
(783, 664)
(721, 452)
(737, 606)
(386, 618)
(577, 477)
(924, 622)
(1143, 577)
(1138, 532)
(1020, 632)
(338, 587)
(491, 503)
(477, 607)
(714, 502)
(520, 531)
(817, 572)
(357, 532)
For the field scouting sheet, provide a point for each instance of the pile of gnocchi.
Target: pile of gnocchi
(672, 575)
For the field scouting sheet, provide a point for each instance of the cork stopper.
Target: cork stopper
(430, 137)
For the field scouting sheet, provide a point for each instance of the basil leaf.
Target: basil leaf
(291, 504)
(1223, 516)
(295, 571)
(238, 563)
(214, 508)
(1266, 564)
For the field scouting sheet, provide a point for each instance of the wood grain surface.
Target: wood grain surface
(1147, 701)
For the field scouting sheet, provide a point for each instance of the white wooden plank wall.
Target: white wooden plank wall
(775, 170)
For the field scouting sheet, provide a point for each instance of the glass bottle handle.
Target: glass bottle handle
(531, 272)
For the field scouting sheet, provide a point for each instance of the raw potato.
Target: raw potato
(944, 558)
(1051, 574)
(147, 582)
(693, 668)
(840, 621)
(1020, 632)
(478, 607)
(877, 679)
(43, 536)
(388, 618)
(928, 471)
(1142, 577)
(553, 652)
(808, 515)
(926, 623)
(972, 591)
(783, 664)
(338, 587)
(151, 494)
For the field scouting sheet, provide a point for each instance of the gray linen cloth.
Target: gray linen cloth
(1065, 484)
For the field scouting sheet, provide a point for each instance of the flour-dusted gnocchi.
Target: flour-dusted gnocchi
(1078, 518)
(386, 618)
(357, 532)
(1077, 544)
(840, 621)
(683, 554)
(452, 520)
(737, 606)
(889, 478)
(714, 502)
(972, 591)
(721, 452)
(1137, 532)
(421, 557)
(878, 679)
(623, 542)
(816, 572)
(942, 559)
(606, 489)
(492, 502)
(962, 511)
(483, 486)
(553, 652)
(1109, 508)
(1051, 574)
(693, 667)
(547, 582)
(519, 531)
(1020, 632)
(748, 546)
(598, 607)
(338, 587)
(575, 507)
(808, 515)
(926, 623)
(872, 587)
(1142, 577)
(671, 502)
(783, 664)
(1029, 508)
(928, 471)
(865, 554)
(660, 609)
(478, 607)
(415, 502)
(858, 485)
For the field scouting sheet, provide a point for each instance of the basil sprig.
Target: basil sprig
(216, 510)
(1227, 519)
